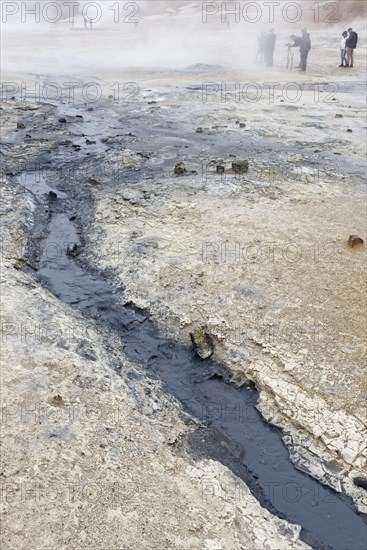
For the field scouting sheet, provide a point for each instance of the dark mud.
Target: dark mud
(235, 433)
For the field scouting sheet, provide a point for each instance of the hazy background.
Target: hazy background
(157, 33)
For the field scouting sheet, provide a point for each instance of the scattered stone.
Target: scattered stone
(334, 99)
(78, 116)
(349, 131)
(90, 109)
(72, 250)
(220, 169)
(242, 125)
(20, 125)
(338, 115)
(90, 142)
(199, 130)
(237, 121)
(180, 169)
(52, 195)
(355, 240)
(57, 401)
(62, 120)
(361, 482)
(202, 343)
(240, 166)
(152, 102)
(94, 180)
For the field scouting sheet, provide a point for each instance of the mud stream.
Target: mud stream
(235, 434)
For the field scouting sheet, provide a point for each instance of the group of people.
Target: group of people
(267, 42)
(348, 44)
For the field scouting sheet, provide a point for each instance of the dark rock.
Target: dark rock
(361, 482)
(152, 102)
(57, 401)
(202, 343)
(240, 166)
(84, 349)
(73, 249)
(242, 125)
(355, 240)
(62, 120)
(20, 125)
(199, 131)
(94, 180)
(180, 169)
(52, 195)
(220, 169)
(90, 142)
(349, 131)
(338, 115)
(90, 109)
(78, 116)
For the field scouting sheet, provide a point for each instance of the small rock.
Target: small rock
(220, 169)
(93, 180)
(355, 240)
(202, 343)
(78, 116)
(361, 482)
(180, 169)
(240, 166)
(242, 125)
(90, 109)
(72, 250)
(152, 102)
(90, 142)
(349, 131)
(199, 131)
(62, 120)
(52, 195)
(57, 400)
(338, 115)
(20, 125)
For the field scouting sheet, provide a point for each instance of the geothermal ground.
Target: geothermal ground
(115, 434)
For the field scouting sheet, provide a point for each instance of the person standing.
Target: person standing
(351, 44)
(304, 48)
(270, 47)
(343, 51)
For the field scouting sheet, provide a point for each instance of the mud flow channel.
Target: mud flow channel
(236, 434)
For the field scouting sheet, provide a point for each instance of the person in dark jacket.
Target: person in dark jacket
(269, 48)
(304, 48)
(351, 44)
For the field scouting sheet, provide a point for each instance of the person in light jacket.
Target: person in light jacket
(343, 50)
